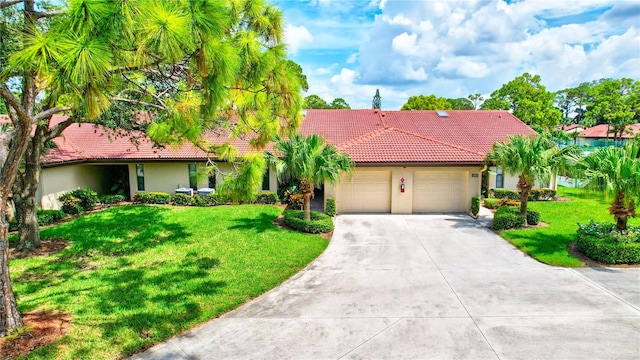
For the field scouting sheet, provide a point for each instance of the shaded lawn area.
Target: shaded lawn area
(549, 244)
(137, 275)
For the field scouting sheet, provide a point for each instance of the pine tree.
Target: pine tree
(377, 100)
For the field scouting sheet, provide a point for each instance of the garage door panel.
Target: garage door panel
(365, 191)
(439, 191)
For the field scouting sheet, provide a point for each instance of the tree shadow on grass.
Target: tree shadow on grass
(263, 222)
(119, 231)
(136, 307)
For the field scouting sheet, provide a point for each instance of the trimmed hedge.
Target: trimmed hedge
(267, 198)
(602, 242)
(506, 218)
(111, 199)
(320, 223)
(46, 217)
(534, 194)
(508, 202)
(533, 217)
(506, 194)
(491, 203)
(152, 198)
(78, 201)
(475, 205)
(509, 218)
(330, 207)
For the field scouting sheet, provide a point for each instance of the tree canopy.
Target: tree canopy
(376, 103)
(193, 64)
(314, 101)
(426, 102)
(528, 100)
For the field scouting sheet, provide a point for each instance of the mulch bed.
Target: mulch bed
(50, 246)
(42, 328)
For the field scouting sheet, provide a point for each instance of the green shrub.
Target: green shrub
(602, 242)
(13, 225)
(542, 194)
(267, 198)
(71, 205)
(212, 199)
(475, 205)
(46, 217)
(534, 194)
(88, 198)
(320, 223)
(330, 207)
(78, 201)
(508, 202)
(533, 217)
(182, 200)
(152, 198)
(491, 203)
(506, 194)
(111, 199)
(198, 200)
(506, 218)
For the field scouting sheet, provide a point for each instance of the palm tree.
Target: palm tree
(310, 161)
(614, 171)
(531, 158)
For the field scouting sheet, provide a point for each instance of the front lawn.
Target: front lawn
(137, 275)
(549, 244)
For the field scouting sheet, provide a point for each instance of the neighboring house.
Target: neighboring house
(571, 128)
(603, 135)
(438, 154)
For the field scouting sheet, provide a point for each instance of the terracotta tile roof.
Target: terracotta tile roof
(368, 136)
(600, 131)
(414, 136)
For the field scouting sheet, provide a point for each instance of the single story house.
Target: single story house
(603, 135)
(406, 161)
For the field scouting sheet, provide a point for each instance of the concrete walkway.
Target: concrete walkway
(426, 287)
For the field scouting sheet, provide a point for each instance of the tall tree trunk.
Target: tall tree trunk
(621, 212)
(307, 206)
(525, 187)
(24, 195)
(307, 191)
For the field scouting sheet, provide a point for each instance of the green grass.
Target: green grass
(549, 244)
(137, 275)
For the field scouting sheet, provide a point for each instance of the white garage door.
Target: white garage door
(366, 191)
(439, 191)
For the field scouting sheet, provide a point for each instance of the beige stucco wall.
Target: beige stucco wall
(511, 181)
(168, 176)
(56, 181)
(402, 203)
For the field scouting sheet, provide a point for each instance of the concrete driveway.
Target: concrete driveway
(426, 287)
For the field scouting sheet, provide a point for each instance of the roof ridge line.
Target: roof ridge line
(437, 141)
(381, 117)
(370, 135)
(75, 147)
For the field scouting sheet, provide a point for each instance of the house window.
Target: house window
(265, 181)
(193, 177)
(140, 176)
(212, 180)
(499, 178)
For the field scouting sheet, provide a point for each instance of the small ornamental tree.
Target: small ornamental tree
(377, 100)
(531, 158)
(310, 161)
(614, 171)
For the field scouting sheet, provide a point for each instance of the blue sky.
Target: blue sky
(453, 48)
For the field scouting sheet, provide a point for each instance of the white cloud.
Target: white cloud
(296, 37)
(459, 47)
